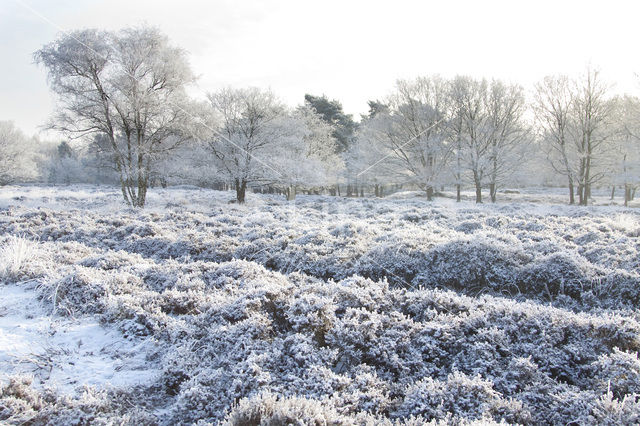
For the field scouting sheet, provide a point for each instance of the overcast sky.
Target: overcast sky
(352, 51)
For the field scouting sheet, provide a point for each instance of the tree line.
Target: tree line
(123, 96)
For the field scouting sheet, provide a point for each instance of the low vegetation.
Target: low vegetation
(357, 312)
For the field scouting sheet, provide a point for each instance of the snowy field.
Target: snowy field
(323, 311)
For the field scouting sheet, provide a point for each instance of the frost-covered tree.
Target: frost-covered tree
(508, 142)
(344, 127)
(17, 154)
(305, 152)
(553, 107)
(625, 169)
(127, 86)
(594, 136)
(65, 165)
(488, 131)
(410, 135)
(367, 156)
(475, 134)
(248, 133)
(576, 122)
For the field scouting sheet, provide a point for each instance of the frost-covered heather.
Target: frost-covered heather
(358, 311)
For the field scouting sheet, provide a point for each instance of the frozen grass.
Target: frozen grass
(15, 253)
(350, 311)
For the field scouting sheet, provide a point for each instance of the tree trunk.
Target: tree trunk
(458, 193)
(362, 192)
(241, 189)
(291, 193)
(613, 191)
(429, 193)
(142, 192)
(478, 183)
(493, 191)
(572, 197)
(338, 189)
(627, 195)
(123, 185)
(377, 188)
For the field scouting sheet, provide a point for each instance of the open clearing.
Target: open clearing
(360, 311)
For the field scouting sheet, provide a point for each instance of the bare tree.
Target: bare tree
(508, 134)
(594, 134)
(412, 133)
(469, 99)
(487, 131)
(304, 152)
(553, 108)
(249, 130)
(626, 167)
(127, 86)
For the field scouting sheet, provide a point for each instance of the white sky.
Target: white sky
(352, 51)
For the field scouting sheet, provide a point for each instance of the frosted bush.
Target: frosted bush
(16, 254)
(23, 403)
(389, 312)
(270, 410)
(619, 372)
(459, 395)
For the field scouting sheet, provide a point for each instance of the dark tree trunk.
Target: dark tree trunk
(142, 193)
(458, 193)
(123, 185)
(429, 193)
(378, 190)
(493, 191)
(291, 193)
(581, 198)
(572, 197)
(241, 189)
(478, 183)
(627, 195)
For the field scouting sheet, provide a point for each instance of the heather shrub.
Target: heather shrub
(270, 410)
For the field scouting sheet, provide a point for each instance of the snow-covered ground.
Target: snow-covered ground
(327, 309)
(66, 353)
